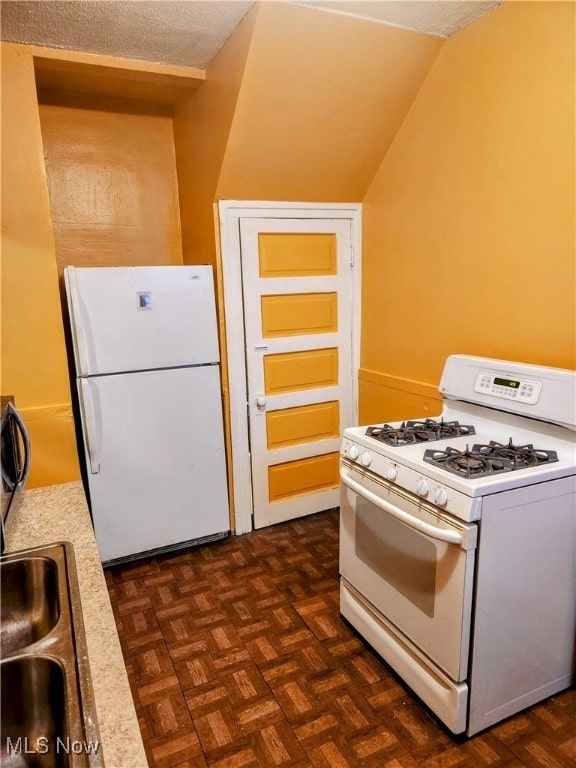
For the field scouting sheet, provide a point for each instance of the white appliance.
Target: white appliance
(147, 365)
(458, 541)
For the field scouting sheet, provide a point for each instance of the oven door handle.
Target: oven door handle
(451, 537)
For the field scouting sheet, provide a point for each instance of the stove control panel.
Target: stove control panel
(422, 486)
(521, 390)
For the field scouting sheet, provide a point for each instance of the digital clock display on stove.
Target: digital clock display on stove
(507, 383)
(514, 390)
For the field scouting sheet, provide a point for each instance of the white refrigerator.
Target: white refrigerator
(148, 376)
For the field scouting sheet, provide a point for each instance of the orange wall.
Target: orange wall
(113, 188)
(321, 99)
(469, 232)
(34, 366)
(201, 128)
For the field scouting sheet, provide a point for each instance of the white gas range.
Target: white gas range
(458, 541)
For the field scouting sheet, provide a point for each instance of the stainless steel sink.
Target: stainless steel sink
(48, 716)
(30, 605)
(38, 711)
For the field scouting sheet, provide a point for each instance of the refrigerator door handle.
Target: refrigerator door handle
(93, 427)
(76, 323)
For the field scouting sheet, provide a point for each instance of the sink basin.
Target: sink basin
(30, 604)
(48, 714)
(39, 712)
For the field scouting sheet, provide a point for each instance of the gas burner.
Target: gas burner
(399, 435)
(467, 463)
(442, 429)
(489, 459)
(521, 456)
(410, 432)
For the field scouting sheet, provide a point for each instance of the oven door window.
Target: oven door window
(418, 582)
(404, 558)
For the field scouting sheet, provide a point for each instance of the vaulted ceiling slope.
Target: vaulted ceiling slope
(191, 32)
(322, 97)
(297, 105)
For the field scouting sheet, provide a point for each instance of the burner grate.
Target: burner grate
(490, 459)
(521, 456)
(467, 463)
(410, 432)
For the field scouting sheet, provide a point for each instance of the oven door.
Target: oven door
(412, 562)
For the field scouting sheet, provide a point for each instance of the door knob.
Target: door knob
(261, 402)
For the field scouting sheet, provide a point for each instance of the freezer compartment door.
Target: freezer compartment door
(141, 318)
(155, 458)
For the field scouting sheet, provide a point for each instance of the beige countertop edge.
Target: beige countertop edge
(60, 513)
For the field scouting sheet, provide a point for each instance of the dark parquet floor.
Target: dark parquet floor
(238, 658)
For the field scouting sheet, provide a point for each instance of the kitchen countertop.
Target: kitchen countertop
(60, 513)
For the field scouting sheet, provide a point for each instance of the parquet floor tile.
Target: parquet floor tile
(237, 658)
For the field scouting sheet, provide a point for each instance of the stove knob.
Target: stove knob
(366, 459)
(441, 497)
(422, 488)
(392, 473)
(353, 452)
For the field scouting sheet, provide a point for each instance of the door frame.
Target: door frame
(230, 213)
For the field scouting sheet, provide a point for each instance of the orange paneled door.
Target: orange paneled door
(298, 317)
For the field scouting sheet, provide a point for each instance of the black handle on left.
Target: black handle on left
(25, 469)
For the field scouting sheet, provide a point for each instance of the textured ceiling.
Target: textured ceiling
(431, 17)
(191, 32)
(183, 32)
